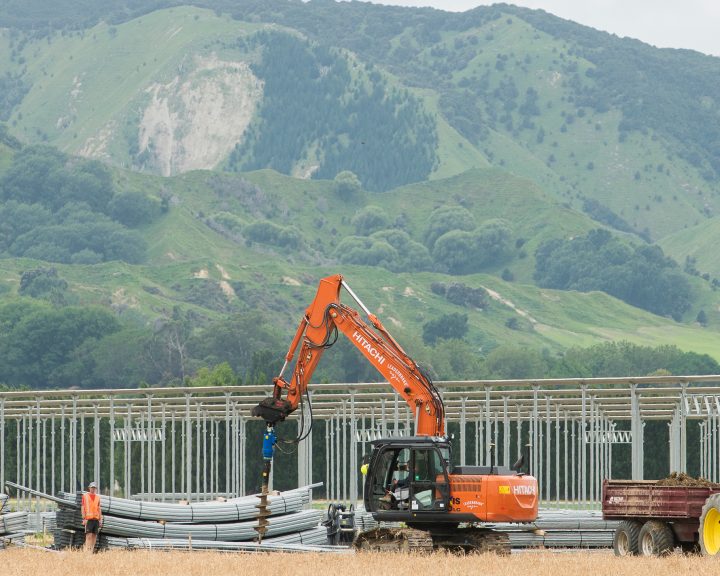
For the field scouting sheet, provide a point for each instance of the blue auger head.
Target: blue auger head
(269, 441)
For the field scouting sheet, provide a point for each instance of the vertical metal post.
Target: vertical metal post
(636, 426)
(548, 446)
(592, 445)
(573, 468)
(38, 441)
(383, 418)
(73, 450)
(62, 448)
(2, 442)
(188, 449)
(534, 432)
(83, 485)
(227, 444)
(565, 457)
(462, 431)
(506, 433)
(338, 458)
(44, 455)
(481, 433)
(396, 414)
(53, 487)
(127, 453)
(150, 447)
(518, 430)
(96, 447)
(172, 454)
(703, 474)
(557, 454)
(143, 427)
(353, 472)
(213, 450)
(488, 425)
(112, 446)
(582, 445)
(344, 453)
(683, 427)
(328, 458)
(162, 452)
(198, 449)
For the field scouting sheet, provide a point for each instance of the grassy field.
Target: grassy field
(17, 562)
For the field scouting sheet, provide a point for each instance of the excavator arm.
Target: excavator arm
(318, 330)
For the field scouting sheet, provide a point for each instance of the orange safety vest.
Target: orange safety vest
(91, 507)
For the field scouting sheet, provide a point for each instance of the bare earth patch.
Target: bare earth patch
(223, 273)
(227, 289)
(496, 296)
(121, 299)
(194, 121)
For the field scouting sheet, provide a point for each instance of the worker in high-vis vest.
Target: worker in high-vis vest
(91, 515)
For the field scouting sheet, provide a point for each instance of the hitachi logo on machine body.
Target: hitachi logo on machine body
(524, 490)
(369, 349)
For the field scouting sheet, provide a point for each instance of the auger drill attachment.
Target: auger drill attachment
(269, 441)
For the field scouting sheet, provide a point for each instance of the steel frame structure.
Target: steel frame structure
(192, 442)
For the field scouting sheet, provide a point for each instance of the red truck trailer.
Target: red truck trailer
(655, 518)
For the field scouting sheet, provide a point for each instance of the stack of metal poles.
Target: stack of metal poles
(12, 528)
(562, 529)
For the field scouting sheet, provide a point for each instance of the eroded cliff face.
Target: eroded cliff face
(194, 121)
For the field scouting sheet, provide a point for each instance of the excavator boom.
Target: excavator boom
(318, 330)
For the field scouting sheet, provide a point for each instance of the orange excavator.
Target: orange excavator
(409, 479)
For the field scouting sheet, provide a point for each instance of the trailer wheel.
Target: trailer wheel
(625, 540)
(710, 526)
(655, 538)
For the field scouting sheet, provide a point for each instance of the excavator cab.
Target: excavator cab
(408, 479)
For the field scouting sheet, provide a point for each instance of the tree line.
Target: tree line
(348, 118)
(59, 208)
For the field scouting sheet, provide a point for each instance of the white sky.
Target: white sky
(693, 24)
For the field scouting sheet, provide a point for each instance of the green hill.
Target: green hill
(249, 148)
(210, 253)
(697, 243)
(412, 94)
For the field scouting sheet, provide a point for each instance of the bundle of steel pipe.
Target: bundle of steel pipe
(234, 510)
(227, 532)
(365, 522)
(8, 539)
(562, 539)
(309, 540)
(66, 538)
(4, 498)
(150, 544)
(13, 522)
(562, 529)
(12, 528)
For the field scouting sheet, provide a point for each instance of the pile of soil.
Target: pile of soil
(682, 479)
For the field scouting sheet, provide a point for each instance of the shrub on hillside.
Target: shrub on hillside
(641, 275)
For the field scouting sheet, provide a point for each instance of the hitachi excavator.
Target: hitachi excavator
(409, 479)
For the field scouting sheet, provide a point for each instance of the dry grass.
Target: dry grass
(17, 562)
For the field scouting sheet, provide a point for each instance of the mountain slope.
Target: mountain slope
(542, 97)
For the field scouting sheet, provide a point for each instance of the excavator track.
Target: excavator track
(469, 541)
(394, 540)
(473, 541)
